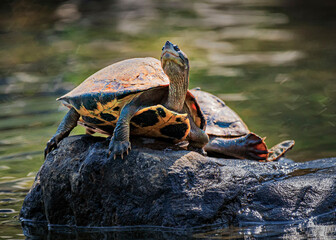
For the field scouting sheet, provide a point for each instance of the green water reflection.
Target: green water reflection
(271, 61)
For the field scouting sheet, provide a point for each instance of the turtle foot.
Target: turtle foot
(118, 148)
(280, 149)
(256, 147)
(51, 145)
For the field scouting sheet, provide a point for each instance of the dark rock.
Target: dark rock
(174, 188)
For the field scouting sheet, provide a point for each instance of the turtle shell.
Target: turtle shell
(221, 120)
(117, 81)
(101, 97)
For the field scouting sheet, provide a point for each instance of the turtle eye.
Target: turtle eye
(176, 48)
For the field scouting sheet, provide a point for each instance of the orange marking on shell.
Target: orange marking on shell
(132, 75)
(195, 111)
(170, 118)
(193, 106)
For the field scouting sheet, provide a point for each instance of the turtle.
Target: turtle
(229, 135)
(140, 96)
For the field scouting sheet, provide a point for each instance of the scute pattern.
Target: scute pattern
(101, 97)
(107, 113)
(166, 120)
(122, 78)
(146, 118)
(221, 120)
(149, 122)
(174, 131)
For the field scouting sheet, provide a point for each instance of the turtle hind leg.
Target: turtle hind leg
(68, 123)
(250, 146)
(279, 150)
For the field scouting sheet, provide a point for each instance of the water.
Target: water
(272, 61)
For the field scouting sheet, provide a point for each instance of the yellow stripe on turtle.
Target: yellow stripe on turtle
(158, 121)
(105, 114)
(153, 121)
(118, 103)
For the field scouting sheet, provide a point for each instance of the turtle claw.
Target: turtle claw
(51, 145)
(119, 148)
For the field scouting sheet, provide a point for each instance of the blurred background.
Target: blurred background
(272, 61)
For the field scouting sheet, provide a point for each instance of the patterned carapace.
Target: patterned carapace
(101, 97)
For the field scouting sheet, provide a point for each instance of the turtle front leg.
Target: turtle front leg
(63, 130)
(120, 143)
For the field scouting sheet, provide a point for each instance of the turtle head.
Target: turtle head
(175, 64)
(173, 60)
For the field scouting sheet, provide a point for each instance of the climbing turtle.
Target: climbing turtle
(140, 97)
(230, 136)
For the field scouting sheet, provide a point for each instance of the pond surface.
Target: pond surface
(272, 61)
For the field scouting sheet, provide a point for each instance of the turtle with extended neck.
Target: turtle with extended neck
(140, 97)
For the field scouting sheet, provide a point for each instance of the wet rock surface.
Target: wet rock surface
(77, 185)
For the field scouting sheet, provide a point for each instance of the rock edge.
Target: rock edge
(76, 185)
